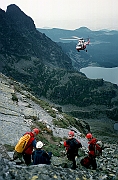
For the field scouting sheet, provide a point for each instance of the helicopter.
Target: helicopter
(81, 45)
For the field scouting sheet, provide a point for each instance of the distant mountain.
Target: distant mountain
(102, 50)
(32, 58)
(55, 34)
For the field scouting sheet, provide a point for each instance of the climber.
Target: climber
(40, 156)
(27, 152)
(31, 144)
(92, 141)
(72, 145)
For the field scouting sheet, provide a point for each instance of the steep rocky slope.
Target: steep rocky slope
(19, 112)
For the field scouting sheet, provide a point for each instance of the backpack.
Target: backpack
(98, 148)
(20, 146)
(86, 162)
(73, 148)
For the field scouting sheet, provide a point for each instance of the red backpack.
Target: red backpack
(85, 162)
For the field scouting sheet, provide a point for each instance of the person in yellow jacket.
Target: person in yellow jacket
(26, 154)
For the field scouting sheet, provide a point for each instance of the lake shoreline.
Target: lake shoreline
(107, 74)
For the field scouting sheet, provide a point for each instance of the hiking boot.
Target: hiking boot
(74, 167)
(18, 163)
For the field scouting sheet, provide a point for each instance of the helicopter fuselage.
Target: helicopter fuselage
(82, 45)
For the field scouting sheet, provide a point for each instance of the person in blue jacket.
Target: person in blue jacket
(40, 156)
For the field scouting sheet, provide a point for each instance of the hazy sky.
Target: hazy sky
(69, 14)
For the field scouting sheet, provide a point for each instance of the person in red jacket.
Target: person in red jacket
(72, 146)
(92, 141)
(30, 145)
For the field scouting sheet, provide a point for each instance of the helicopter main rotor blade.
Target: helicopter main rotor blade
(67, 39)
(75, 37)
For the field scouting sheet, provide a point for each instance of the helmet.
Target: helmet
(36, 130)
(89, 136)
(71, 133)
(39, 144)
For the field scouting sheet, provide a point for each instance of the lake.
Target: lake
(108, 74)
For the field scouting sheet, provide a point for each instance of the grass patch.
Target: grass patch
(55, 149)
(56, 139)
(51, 143)
(62, 123)
(9, 147)
(14, 97)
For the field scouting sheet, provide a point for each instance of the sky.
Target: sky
(69, 14)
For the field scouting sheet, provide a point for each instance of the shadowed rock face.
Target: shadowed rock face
(19, 37)
(18, 18)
